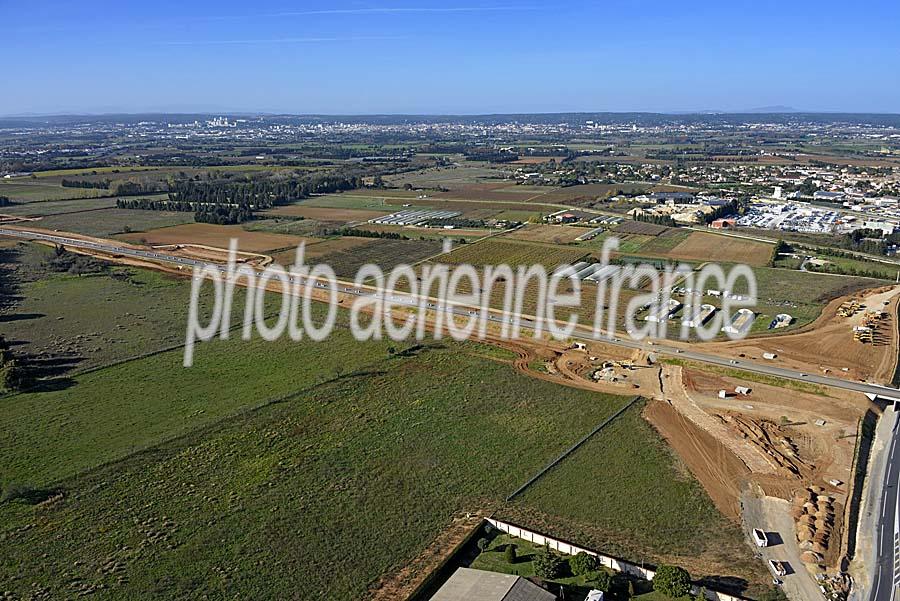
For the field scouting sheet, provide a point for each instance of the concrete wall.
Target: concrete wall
(610, 562)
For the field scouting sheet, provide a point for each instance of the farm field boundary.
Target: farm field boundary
(572, 449)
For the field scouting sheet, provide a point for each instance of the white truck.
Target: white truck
(760, 538)
(777, 567)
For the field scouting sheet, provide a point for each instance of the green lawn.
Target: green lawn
(282, 498)
(625, 493)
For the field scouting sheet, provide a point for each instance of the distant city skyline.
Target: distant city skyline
(449, 58)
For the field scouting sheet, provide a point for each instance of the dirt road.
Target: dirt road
(773, 517)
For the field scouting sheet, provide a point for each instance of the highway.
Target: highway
(580, 333)
(887, 568)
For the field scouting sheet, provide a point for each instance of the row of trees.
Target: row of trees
(657, 219)
(365, 234)
(86, 183)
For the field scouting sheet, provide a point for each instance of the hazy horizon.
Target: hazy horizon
(433, 58)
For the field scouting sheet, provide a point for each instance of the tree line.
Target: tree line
(226, 201)
(85, 183)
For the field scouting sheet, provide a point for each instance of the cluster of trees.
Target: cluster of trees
(84, 183)
(133, 188)
(490, 155)
(64, 261)
(5, 201)
(225, 201)
(867, 241)
(657, 219)
(780, 247)
(223, 215)
(672, 581)
(456, 222)
(14, 376)
(725, 210)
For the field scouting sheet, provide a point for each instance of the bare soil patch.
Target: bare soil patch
(218, 236)
(700, 246)
(558, 234)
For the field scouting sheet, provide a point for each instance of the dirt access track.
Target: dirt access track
(827, 345)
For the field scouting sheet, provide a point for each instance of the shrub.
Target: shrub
(583, 563)
(672, 581)
(510, 553)
(483, 544)
(603, 581)
(547, 564)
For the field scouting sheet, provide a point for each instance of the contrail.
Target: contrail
(315, 40)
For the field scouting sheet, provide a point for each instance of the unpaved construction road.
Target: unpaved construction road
(773, 516)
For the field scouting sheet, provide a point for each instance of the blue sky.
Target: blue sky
(466, 56)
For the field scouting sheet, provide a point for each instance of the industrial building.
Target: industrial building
(662, 312)
(741, 322)
(414, 217)
(698, 316)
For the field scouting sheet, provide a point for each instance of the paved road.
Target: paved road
(887, 568)
(457, 309)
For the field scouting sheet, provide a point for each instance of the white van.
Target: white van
(760, 538)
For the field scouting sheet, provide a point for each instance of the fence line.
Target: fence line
(571, 449)
(612, 563)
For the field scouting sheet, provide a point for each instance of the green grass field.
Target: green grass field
(108, 222)
(98, 319)
(626, 494)
(55, 207)
(800, 294)
(31, 191)
(267, 466)
(494, 251)
(277, 498)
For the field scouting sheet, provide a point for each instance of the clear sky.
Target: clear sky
(456, 56)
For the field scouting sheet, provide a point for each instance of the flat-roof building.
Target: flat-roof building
(467, 584)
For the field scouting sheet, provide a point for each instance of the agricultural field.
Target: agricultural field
(289, 226)
(317, 248)
(219, 236)
(693, 246)
(616, 495)
(700, 246)
(58, 207)
(494, 251)
(342, 458)
(31, 191)
(385, 253)
(848, 265)
(801, 294)
(324, 214)
(71, 322)
(555, 234)
(108, 222)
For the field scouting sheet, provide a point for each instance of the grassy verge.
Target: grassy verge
(750, 376)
